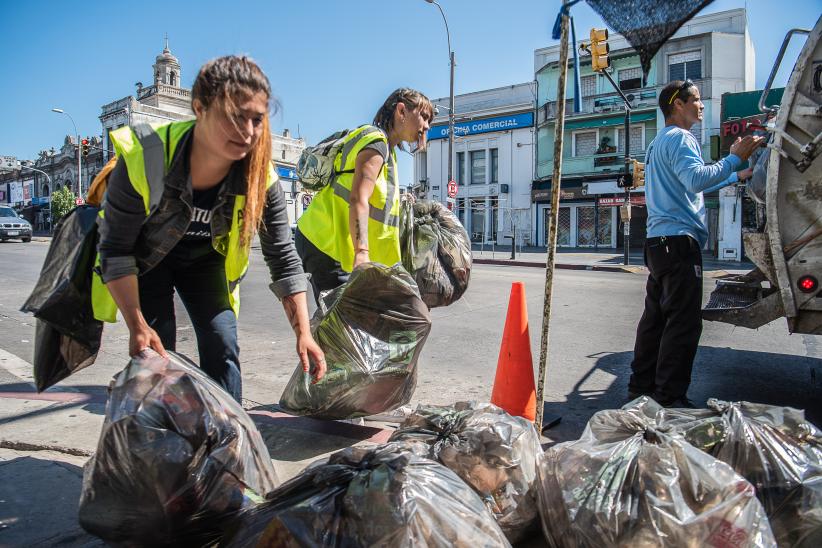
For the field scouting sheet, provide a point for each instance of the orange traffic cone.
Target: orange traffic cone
(514, 389)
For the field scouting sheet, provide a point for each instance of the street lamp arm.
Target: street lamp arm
(445, 20)
(22, 166)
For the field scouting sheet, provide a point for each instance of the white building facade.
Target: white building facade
(715, 51)
(493, 161)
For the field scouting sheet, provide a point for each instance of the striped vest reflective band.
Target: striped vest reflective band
(148, 151)
(325, 222)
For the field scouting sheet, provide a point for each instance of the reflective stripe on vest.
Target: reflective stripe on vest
(148, 152)
(325, 222)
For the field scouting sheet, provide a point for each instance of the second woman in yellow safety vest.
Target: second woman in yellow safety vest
(182, 205)
(355, 219)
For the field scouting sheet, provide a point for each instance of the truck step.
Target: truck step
(732, 294)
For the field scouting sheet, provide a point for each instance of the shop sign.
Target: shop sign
(620, 200)
(487, 125)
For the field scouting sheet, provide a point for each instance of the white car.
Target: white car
(13, 226)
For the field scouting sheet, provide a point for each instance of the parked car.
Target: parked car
(13, 226)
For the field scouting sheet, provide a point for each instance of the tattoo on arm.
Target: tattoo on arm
(290, 306)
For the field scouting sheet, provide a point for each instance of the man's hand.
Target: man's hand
(744, 174)
(145, 337)
(310, 352)
(744, 146)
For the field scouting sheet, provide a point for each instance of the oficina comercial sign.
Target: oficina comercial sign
(486, 125)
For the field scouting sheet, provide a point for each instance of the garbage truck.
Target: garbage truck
(787, 252)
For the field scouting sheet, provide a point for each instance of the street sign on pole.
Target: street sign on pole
(78, 201)
(452, 189)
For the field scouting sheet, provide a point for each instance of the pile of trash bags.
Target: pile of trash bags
(177, 458)
(492, 451)
(775, 448)
(626, 482)
(67, 336)
(436, 250)
(388, 495)
(372, 330)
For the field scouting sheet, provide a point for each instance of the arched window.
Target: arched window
(173, 78)
(45, 191)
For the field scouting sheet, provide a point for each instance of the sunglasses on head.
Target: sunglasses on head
(685, 85)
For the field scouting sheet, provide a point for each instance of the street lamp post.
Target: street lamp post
(452, 62)
(51, 191)
(79, 155)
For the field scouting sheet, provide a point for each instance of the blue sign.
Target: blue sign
(286, 172)
(487, 125)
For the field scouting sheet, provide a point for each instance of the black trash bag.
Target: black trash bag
(372, 329)
(627, 483)
(774, 448)
(387, 495)
(67, 336)
(647, 24)
(436, 250)
(177, 458)
(492, 451)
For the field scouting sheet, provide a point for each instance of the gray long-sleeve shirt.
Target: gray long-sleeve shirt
(131, 243)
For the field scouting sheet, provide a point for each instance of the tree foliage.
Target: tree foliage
(62, 201)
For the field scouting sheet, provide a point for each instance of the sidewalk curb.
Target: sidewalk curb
(23, 446)
(564, 266)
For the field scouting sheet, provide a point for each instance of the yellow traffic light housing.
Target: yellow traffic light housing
(638, 173)
(599, 50)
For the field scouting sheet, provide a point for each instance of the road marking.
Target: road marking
(18, 367)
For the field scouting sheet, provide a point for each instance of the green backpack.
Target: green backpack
(315, 168)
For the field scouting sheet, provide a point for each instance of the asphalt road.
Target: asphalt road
(591, 339)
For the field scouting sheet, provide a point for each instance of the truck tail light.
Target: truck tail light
(807, 284)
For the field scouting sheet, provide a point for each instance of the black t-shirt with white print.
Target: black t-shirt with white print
(203, 206)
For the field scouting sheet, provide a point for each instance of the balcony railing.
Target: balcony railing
(595, 163)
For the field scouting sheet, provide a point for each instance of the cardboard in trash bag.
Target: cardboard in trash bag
(372, 329)
(625, 483)
(492, 451)
(67, 336)
(436, 250)
(387, 495)
(774, 448)
(177, 458)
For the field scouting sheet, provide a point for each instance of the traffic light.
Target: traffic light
(84, 147)
(639, 173)
(599, 50)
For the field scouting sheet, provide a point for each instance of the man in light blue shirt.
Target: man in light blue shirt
(676, 176)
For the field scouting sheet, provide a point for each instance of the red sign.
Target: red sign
(739, 128)
(78, 201)
(611, 202)
(452, 189)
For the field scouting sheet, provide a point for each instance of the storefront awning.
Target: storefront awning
(617, 120)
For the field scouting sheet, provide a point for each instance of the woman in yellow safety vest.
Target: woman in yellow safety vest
(183, 203)
(355, 219)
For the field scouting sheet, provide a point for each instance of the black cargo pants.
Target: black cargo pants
(668, 332)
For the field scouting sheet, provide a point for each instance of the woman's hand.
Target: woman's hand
(310, 352)
(361, 257)
(144, 337)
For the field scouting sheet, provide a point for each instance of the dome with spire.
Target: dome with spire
(167, 68)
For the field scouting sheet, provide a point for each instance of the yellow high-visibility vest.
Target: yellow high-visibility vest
(325, 222)
(148, 151)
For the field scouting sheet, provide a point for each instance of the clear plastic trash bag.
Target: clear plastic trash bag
(774, 448)
(626, 483)
(492, 451)
(177, 458)
(372, 330)
(436, 250)
(387, 495)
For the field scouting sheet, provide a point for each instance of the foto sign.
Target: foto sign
(452, 189)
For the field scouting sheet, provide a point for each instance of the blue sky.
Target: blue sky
(331, 63)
